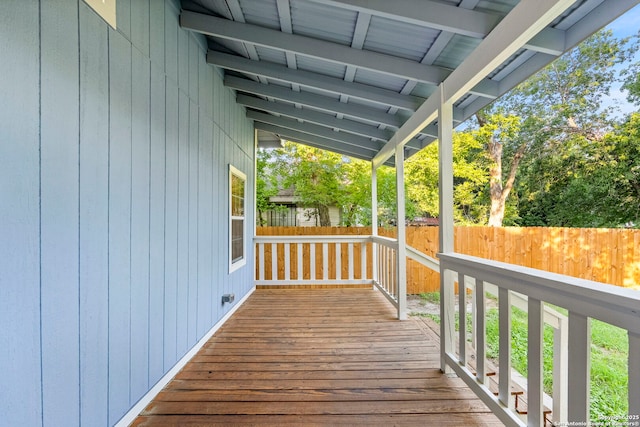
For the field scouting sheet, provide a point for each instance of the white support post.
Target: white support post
(445, 172)
(401, 256)
(374, 220)
(535, 342)
(579, 368)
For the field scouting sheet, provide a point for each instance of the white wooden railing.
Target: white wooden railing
(313, 260)
(373, 260)
(326, 260)
(582, 298)
(386, 264)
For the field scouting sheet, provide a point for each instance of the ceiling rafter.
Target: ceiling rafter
(314, 80)
(325, 50)
(314, 117)
(318, 130)
(316, 141)
(325, 103)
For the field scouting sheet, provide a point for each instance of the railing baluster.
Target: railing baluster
(261, 261)
(634, 376)
(338, 261)
(381, 266)
(274, 261)
(447, 321)
(481, 333)
(300, 262)
(363, 261)
(579, 368)
(351, 261)
(535, 341)
(504, 362)
(394, 276)
(325, 261)
(560, 371)
(462, 320)
(287, 261)
(312, 261)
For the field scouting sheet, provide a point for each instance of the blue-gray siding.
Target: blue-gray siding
(114, 154)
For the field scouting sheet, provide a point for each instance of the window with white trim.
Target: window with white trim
(237, 197)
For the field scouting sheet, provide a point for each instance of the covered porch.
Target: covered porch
(318, 357)
(127, 166)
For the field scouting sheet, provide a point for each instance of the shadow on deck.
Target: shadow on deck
(317, 357)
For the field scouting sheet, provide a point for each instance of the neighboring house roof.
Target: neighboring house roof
(360, 77)
(285, 195)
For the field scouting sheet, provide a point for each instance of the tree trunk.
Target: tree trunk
(499, 190)
(323, 216)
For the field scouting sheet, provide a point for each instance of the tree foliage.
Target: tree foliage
(470, 178)
(553, 113)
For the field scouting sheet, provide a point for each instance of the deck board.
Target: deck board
(317, 357)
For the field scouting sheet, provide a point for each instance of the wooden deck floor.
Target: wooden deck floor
(317, 357)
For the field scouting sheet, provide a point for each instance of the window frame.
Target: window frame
(238, 262)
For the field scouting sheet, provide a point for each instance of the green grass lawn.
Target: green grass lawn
(609, 355)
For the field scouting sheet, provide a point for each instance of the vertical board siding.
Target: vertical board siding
(156, 226)
(193, 189)
(20, 387)
(183, 223)
(114, 222)
(201, 295)
(59, 147)
(140, 167)
(119, 223)
(171, 227)
(94, 226)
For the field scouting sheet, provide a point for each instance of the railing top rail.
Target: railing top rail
(313, 239)
(386, 241)
(423, 259)
(609, 303)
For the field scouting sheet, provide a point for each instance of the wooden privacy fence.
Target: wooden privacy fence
(603, 255)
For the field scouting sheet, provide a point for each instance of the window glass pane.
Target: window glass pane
(236, 208)
(237, 239)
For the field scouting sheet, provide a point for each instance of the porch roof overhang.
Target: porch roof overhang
(364, 77)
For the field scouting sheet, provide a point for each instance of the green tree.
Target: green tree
(631, 75)
(317, 177)
(469, 174)
(549, 113)
(266, 184)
